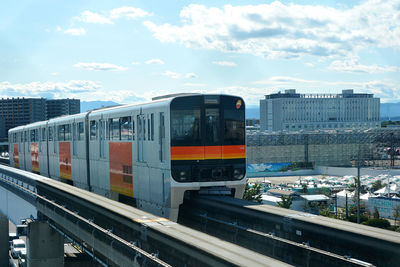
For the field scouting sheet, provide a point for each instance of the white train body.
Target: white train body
(135, 152)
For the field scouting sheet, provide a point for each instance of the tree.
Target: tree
(376, 222)
(376, 213)
(285, 202)
(396, 214)
(304, 189)
(377, 185)
(252, 193)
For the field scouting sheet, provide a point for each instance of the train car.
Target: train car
(151, 155)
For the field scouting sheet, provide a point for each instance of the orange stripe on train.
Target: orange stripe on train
(208, 152)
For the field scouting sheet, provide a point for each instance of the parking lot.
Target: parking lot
(12, 229)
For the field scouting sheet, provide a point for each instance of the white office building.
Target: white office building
(291, 111)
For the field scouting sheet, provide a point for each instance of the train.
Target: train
(151, 155)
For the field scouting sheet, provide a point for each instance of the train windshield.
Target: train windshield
(207, 138)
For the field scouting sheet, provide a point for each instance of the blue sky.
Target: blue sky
(129, 51)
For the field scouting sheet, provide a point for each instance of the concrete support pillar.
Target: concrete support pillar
(45, 246)
(4, 245)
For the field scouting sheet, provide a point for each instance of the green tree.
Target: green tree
(304, 189)
(377, 185)
(375, 215)
(396, 214)
(285, 202)
(252, 193)
(325, 211)
(377, 222)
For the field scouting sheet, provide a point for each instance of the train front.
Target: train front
(208, 149)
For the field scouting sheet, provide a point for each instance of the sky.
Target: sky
(129, 51)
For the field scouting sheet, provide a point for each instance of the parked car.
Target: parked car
(22, 258)
(11, 237)
(16, 247)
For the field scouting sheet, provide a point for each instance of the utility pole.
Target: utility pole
(358, 185)
(347, 210)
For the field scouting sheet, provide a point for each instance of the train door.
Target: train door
(141, 135)
(212, 133)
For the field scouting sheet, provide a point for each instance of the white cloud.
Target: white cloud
(91, 17)
(190, 75)
(176, 75)
(225, 63)
(135, 63)
(155, 61)
(128, 12)
(171, 74)
(99, 66)
(79, 89)
(49, 89)
(58, 28)
(114, 14)
(354, 66)
(54, 73)
(194, 84)
(278, 30)
(75, 31)
(387, 90)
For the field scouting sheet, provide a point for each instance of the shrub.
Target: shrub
(377, 222)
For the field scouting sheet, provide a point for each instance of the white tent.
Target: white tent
(386, 190)
(344, 192)
(367, 196)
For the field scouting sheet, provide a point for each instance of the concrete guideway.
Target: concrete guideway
(118, 234)
(321, 237)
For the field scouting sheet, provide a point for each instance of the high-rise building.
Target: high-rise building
(292, 111)
(21, 111)
(59, 107)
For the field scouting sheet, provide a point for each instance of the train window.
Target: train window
(43, 134)
(67, 132)
(133, 129)
(36, 135)
(26, 136)
(81, 131)
(32, 135)
(14, 138)
(93, 130)
(144, 128)
(185, 126)
(139, 121)
(212, 126)
(126, 128)
(113, 128)
(61, 132)
(50, 133)
(234, 132)
(148, 129)
(152, 126)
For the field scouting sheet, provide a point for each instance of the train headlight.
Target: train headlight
(238, 174)
(183, 175)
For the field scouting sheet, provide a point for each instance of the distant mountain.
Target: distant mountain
(88, 105)
(390, 111)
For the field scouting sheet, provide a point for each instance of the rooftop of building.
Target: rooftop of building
(291, 93)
